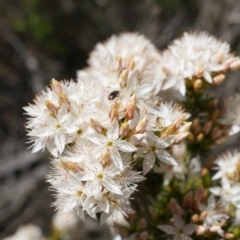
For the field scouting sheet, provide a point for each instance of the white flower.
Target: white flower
(185, 167)
(228, 192)
(98, 177)
(27, 232)
(180, 230)
(170, 113)
(119, 52)
(214, 214)
(155, 148)
(71, 195)
(196, 55)
(231, 116)
(227, 166)
(118, 205)
(65, 222)
(112, 143)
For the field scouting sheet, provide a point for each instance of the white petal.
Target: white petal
(164, 142)
(104, 205)
(89, 202)
(189, 228)
(148, 162)
(111, 186)
(104, 218)
(62, 113)
(96, 138)
(125, 146)
(80, 213)
(168, 229)
(85, 176)
(38, 145)
(113, 130)
(207, 76)
(178, 222)
(69, 206)
(51, 147)
(234, 129)
(165, 157)
(116, 158)
(60, 142)
(216, 190)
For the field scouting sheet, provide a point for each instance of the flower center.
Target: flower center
(100, 176)
(79, 193)
(153, 148)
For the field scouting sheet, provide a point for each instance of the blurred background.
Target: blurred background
(41, 40)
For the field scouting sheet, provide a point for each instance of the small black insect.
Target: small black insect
(113, 95)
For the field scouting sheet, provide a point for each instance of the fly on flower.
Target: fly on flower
(113, 95)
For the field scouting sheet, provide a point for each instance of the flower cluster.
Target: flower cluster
(112, 128)
(96, 126)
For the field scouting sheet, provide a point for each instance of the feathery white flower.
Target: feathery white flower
(228, 192)
(214, 213)
(227, 166)
(111, 143)
(119, 52)
(196, 55)
(155, 148)
(180, 230)
(231, 116)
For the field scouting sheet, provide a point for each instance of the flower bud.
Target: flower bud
(179, 121)
(235, 64)
(96, 126)
(185, 128)
(195, 218)
(141, 126)
(181, 137)
(200, 230)
(58, 89)
(207, 127)
(131, 106)
(56, 86)
(196, 126)
(218, 79)
(228, 236)
(203, 215)
(119, 66)
(124, 129)
(123, 78)
(114, 114)
(130, 64)
(214, 228)
(53, 109)
(200, 137)
(70, 166)
(197, 85)
(105, 158)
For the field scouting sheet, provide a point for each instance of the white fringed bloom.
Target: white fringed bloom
(214, 213)
(155, 149)
(231, 115)
(27, 232)
(228, 192)
(180, 230)
(227, 166)
(120, 52)
(196, 55)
